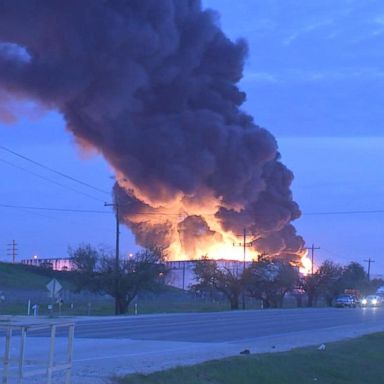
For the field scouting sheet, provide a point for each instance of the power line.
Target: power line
(256, 216)
(49, 180)
(59, 209)
(26, 213)
(352, 212)
(53, 209)
(357, 212)
(56, 209)
(53, 170)
(346, 258)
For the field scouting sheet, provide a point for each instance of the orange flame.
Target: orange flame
(306, 264)
(210, 240)
(229, 249)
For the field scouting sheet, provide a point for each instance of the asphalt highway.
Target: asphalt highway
(109, 346)
(225, 326)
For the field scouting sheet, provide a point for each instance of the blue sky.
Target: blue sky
(318, 63)
(314, 78)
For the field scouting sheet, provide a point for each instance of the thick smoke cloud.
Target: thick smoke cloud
(152, 85)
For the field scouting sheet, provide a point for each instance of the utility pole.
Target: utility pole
(12, 251)
(244, 244)
(312, 249)
(183, 274)
(369, 261)
(117, 255)
(244, 247)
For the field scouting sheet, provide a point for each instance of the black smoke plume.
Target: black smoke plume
(152, 85)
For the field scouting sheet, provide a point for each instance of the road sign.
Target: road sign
(54, 288)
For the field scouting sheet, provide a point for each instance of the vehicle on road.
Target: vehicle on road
(380, 290)
(346, 301)
(372, 301)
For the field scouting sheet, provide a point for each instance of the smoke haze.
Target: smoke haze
(152, 85)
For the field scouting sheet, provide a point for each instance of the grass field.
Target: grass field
(21, 283)
(93, 305)
(22, 277)
(358, 361)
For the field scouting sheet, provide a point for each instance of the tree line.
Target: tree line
(267, 280)
(271, 280)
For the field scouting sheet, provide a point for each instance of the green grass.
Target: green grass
(182, 304)
(18, 276)
(20, 283)
(358, 361)
(79, 309)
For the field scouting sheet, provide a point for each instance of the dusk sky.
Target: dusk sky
(314, 78)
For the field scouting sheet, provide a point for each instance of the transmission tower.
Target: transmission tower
(12, 251)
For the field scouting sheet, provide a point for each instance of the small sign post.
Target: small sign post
(54, 288)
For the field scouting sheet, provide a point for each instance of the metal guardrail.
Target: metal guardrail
(23, 325)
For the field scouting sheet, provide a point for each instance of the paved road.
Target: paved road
(226, 326)
(115, 346)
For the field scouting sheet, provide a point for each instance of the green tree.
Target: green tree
(85, 259)
(354, 276)
(210, 277)
(96, 272)
(310, 285)
(330, 282)
(270, 281)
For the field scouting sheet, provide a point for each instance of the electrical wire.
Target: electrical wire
(73, 210)
(357, 212)
(377, 211)
(50, 180)
(53, 170)
(337, 254)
